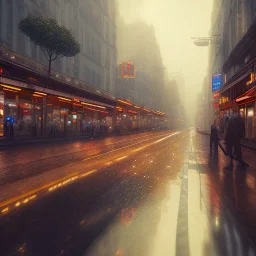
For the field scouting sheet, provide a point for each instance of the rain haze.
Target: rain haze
(128, 127)
(175, 22)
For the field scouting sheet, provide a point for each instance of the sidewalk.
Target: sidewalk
(248, 149)
(236, 189)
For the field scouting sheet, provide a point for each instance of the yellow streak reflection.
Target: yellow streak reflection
(5, 210)
(199, 235)
(88, 173)
(121, 158)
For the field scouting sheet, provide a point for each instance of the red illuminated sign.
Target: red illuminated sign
(128, 70)
(216, 105)
(216, 95)
(1, 70)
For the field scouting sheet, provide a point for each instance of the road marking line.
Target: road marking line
(50, 187)
(89, 173)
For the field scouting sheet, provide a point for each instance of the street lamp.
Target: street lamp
(206, 41)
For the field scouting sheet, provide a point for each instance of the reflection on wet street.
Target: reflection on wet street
(152, 194)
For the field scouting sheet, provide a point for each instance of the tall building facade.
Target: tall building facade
(239, 62)
(208, 107)
(91, 22)
(137, 44)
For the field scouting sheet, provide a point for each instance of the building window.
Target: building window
(86, 74)
(92, 48)
(9, 19)
(92, 78)
(33, 51)
(99, 80)
(107, 62)
(107, 82)
(88, 46)
(107, 30)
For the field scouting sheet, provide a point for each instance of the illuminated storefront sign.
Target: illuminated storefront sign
(223, 100)
(216, 95)
(251, 79)
(216, 82)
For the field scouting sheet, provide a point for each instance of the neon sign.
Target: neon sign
(216, 82)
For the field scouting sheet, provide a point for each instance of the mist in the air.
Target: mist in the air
(174, 23)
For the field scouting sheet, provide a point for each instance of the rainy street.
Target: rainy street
(142, 194)
(127, 128)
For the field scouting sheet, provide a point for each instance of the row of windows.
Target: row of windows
(239, 20)
(90, 45)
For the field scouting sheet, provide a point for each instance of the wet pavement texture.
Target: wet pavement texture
(158, 193)
(27, 160)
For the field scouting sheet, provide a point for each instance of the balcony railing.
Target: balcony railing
(19, 59)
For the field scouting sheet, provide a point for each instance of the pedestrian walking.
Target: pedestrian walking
(225, 122)
(214, 138)
(234, 134)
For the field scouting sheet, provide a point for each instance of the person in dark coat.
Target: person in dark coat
(214, 138)
(235, 133)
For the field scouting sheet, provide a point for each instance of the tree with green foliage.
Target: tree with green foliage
(54, 40)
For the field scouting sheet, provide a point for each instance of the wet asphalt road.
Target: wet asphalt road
(27, 160)
(145, 194)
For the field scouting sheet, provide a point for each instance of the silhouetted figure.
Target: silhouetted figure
(214, 138)
(235, 132)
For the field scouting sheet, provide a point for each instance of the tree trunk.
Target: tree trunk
(49, 71)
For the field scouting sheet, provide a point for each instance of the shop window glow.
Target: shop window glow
(250, 112)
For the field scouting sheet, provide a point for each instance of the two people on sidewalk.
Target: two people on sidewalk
(234, 133)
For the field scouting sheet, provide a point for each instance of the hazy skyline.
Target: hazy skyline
(175, 23)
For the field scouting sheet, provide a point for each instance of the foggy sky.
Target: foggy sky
(175, 22)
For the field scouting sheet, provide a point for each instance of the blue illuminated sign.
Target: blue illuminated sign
(216, 82)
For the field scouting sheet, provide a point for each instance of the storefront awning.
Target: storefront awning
(33, 87)
(247, 94)
(247, 97)
(26, 70)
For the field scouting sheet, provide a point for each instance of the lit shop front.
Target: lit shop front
(1, 114)
(239, 94)
(130, 116)
(21, 112)
(33, 113)
(30, 105)
(247, 108)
